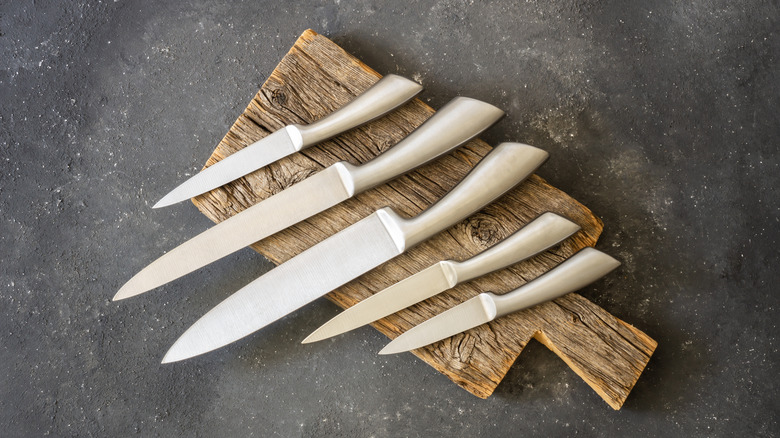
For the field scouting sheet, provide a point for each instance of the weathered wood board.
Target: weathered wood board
(317, 77)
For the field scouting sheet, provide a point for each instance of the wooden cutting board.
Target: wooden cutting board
(317, 77)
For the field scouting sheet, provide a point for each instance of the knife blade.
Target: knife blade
(353, 251)
(384, 96)
(317, 193)
(585, 267)
(545, 231)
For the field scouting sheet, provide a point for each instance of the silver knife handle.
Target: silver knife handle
(384, 96)
(502, 168)
(456, 123)
(578, 271)
(545, 231)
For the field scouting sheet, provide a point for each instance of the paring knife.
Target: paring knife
(454, 124)
(384, 96)
(545, 231)
(352, 252)
(578, 271)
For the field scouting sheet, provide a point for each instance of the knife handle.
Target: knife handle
(578, 271)
(501, 169)
(384, 96)
(545, 231)
(456, 123)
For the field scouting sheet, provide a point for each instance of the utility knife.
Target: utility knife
(351, 252)
(384, 96)
(545, 231)
(454, 124)
(580, 270)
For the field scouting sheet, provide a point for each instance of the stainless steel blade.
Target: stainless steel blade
(578, 271)
(464, 316)
(289, 286)
(259, 154)
(544, 232)
(411, 290)
(352, 252)
(298, 202)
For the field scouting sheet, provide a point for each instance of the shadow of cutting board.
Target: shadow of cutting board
(317, 77)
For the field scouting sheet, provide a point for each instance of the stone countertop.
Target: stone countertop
(663, 119)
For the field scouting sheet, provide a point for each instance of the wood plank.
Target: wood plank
(317, 77)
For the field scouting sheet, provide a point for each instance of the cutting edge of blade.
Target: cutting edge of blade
(467, 315)
(392, 299)
(257, 155)
(298, 202)
(288, 287)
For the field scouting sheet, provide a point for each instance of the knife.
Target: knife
(353, 251)
(545, 231)
(456, 123)
(384, 96)
(580, 270)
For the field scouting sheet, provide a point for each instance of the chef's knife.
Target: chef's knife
(456, 123)
(545, 231)
(387, 94)
(352, 252)
(580, 270)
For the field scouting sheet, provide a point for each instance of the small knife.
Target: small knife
(580, 270)
(384, 96)
(545, 231)
(353, 251)
(454, 124)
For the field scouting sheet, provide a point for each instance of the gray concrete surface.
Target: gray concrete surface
(661, 116)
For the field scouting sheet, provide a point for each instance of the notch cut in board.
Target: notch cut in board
(317, 77)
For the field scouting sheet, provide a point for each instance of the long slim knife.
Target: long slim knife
(456, 123)
(387, 94)
(352, 252)
(578, 271)
(545, 231)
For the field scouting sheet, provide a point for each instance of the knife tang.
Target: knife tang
(545, 231)
(503, 168)
(387, 94)
(456, 123)
(580, 270)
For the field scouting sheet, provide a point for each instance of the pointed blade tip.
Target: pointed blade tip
(120, 295)
(174, 354)
(390, 349)
(127, 291)
(320, 334)
(167, 358)
(400, 344)
(317, 335)
(166, 201)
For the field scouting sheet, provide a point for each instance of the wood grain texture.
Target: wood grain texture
(317, 77)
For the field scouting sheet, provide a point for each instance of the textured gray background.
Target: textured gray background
(660, 116)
